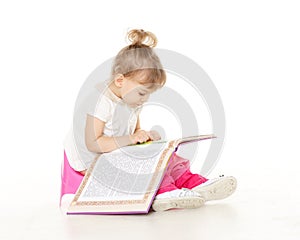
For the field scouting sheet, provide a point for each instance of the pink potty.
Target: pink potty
(70, 179)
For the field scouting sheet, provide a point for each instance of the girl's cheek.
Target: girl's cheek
(129, 98)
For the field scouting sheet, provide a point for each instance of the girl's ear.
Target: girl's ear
(119, 80)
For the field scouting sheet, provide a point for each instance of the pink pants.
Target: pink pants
(178, 175)
(70, 179)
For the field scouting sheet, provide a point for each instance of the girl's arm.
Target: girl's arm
(96, 142)
(138, 125)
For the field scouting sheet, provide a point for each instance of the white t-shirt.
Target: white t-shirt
(102, 103)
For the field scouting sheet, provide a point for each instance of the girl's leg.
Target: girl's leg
(170, 196)
(212, 189)
(189, 180)
(167, 184)
(180, 172)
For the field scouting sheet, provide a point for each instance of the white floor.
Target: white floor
(265, 206)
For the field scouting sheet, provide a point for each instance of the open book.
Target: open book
(125, 181)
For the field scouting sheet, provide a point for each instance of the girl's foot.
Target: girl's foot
(217, 188)
(179, 198)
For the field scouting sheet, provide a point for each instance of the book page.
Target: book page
(124, 174)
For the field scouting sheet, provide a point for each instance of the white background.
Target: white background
(251, 51)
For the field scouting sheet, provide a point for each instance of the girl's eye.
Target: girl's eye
(142, 94)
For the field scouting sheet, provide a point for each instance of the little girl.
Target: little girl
(108, 119)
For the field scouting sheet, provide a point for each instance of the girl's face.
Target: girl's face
(133, 93)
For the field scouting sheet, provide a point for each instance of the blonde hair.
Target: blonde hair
(138, 61)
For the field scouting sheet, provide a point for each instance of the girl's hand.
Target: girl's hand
(154, 135)
(139, 136)
(142, 136)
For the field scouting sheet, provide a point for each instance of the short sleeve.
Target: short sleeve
(103, 109)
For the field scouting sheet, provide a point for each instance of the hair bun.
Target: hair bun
(139, 37)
